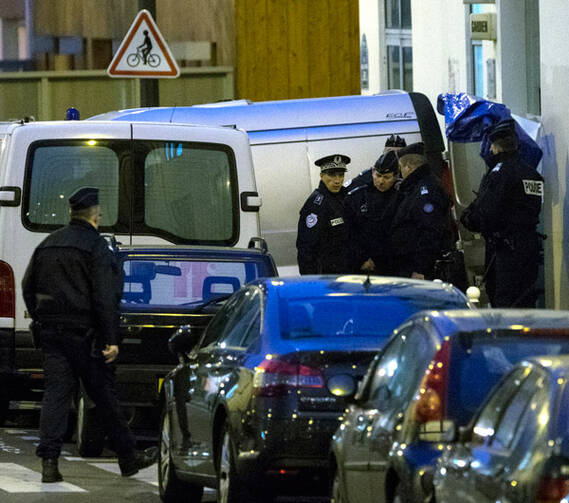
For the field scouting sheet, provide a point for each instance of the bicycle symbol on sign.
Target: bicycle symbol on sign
(135, 58)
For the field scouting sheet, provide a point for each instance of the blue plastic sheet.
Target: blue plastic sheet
(467, 119)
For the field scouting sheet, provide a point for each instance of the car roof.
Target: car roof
(467, 320)
(219, 252)
(323, 285)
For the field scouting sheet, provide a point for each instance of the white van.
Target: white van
(288, 136)
(159, 183)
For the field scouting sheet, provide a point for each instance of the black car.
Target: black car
(253, 405)
(165, 287)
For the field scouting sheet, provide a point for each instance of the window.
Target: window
(243, 317)
(399, 44)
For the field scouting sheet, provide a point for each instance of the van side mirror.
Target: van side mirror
(182, 341)
(10, 196)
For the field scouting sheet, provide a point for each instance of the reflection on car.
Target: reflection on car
(517, 447)
(430, 379)
(164, 287)
(253, 406)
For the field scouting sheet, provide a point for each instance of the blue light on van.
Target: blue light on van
(173, 150)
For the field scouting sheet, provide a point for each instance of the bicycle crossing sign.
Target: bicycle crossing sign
(143, 52)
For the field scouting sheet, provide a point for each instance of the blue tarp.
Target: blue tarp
(467, 118)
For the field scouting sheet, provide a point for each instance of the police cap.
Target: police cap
(85, 197)
(395, 141)
(504, 129)
(336, 162)
(387, 163)
(414, 148)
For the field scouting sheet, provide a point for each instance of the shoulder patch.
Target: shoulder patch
(428, 208)
(497, 167)
(424, 190)
(533, 187)
(319, 198)
(311, 220)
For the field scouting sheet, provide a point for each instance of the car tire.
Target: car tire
(230, 489)
(170, 487)
(90, 436)
(337, 490)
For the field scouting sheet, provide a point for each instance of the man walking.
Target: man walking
(72, 289)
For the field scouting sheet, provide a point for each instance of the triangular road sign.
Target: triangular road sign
(143, 52)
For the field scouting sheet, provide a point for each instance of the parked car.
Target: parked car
(517, 447)
(434, 373)
(164, 287)
(254, 405)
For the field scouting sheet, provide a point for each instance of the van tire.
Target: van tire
(90, 436)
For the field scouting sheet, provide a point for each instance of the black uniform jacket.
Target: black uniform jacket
(420, 230)
(509, 199)
(73, 279)
(322, 234)
(368, 217)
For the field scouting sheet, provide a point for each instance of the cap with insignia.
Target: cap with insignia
(504, 129)
(85, 197)
(395, 141)
(414, 148)
(335, 162)
(387, 163)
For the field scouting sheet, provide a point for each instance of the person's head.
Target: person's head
(503, 137)
(332, 171)
(84, 205)
(145, 32)
(384, 171)
(394, 143)
(410, 158)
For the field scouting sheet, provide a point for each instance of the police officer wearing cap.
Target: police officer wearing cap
(420, 231)
(368, 215)
(392, 144)
(506, 212)
(322, 234)
(72, 289)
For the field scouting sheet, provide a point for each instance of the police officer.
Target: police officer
(506, 212)
(368, 217)
(322, 234)
(72, 289)
(420, 230)
(392, 144)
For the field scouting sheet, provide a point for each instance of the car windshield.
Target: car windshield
(189, 283)
(486, 359)
(353, 315)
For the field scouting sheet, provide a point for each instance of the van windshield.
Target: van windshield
(183, 192)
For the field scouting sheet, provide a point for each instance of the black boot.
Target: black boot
(141, 459)
(50, 471)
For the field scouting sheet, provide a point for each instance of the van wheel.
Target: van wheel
(170, 487)
(90, 436)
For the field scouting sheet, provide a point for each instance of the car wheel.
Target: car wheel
(90, 436)
(170, 487)
(337, 491)
(229, 488)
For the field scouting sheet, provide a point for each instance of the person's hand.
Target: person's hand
(110, 353)
(368, 266)
(417, 275)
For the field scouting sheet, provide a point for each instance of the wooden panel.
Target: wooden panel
(277, 51)
(321, 64)
(298, 48)
(260, 51)
(241, 53)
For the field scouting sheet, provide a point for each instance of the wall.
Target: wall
(554, 19)
(297, 48)
(371, 24)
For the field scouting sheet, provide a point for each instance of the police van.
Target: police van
(288, 136)
(159, 183)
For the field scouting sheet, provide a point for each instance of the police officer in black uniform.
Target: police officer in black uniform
(506, 212)
(368, 215)
(72, 289)
(420, 230)
(322, 234)
(392, 144)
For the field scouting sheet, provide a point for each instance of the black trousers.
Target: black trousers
(66, 358)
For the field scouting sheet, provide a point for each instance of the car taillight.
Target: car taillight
(552, 489)
(276, 378)
(431, 403)
(7, 291)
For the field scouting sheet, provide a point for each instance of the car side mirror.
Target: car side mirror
(182, 341)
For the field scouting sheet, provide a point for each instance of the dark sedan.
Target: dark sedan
(432, 375)
(517, 447)
(254, 405)
(164, 287)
